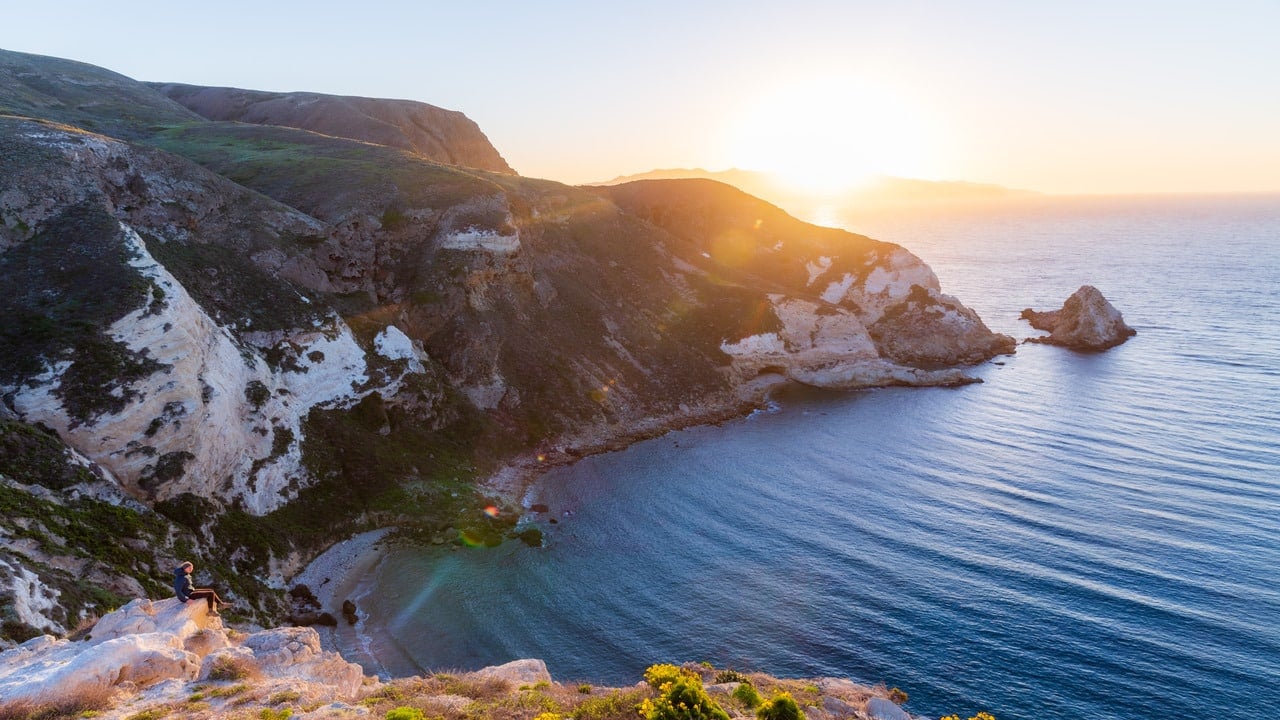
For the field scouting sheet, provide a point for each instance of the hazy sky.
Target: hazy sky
(1072, 96)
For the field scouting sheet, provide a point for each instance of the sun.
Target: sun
(825, 135)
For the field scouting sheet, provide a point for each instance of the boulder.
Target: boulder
(1086, 321)
(879, 708)
(41, 669)
(295, 653)
(517, 672)
(836, 707)
(163, 616)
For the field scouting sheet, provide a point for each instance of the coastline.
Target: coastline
(342, 572)
(347, 569)
(512, 479)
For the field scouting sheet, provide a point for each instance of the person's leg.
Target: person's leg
(208, 595)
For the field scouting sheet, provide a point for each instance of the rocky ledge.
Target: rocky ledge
(1086, 321)
(156, 659)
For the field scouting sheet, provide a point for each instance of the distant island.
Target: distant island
(879, 193)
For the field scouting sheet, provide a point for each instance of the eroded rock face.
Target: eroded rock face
(1086, 321)
(929, 329)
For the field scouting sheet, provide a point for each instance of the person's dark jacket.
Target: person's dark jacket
(182, 586)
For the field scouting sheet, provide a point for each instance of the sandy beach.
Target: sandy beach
(345, 572)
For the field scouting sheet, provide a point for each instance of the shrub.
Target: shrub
(659, 675)
(618, 705)
(780, 707)
(980, 716)
(404, 713)
(270, 714)
(728, 676)
(746, 694)
(284, 696)
(897, 696)
(682, 699)
(230, 667)
(584, 688)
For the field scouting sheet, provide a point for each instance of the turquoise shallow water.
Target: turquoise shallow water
(1079, 536)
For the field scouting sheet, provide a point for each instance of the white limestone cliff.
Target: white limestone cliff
(825, 346)
(215, 404)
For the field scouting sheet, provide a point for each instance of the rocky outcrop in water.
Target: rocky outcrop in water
(1086, 321)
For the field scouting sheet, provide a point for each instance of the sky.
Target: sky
(1072, 97)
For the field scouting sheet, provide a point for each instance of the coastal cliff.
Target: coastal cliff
(254, 340)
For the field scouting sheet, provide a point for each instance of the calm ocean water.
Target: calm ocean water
(1081, 536)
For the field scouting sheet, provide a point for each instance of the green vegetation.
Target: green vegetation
(680, 696)
(324, 176)
(231, 287)
(256, 394)
(59, 291)
(728, 676)
(780, 707)
(231, 667)
(32, 456)
(747, 695)
(284, 696)
(100, 376)
(405, 713)
(616, 705)
(979, 716)
(119, 540)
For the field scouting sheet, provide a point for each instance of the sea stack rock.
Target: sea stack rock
(1087, 321)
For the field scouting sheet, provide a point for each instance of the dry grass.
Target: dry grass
(232, 667)
(492, 699)
(70, 706)
(83, 628)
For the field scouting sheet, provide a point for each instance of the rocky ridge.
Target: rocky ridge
(444, 136)
(253, 340)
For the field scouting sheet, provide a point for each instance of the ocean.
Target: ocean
(1079, 536)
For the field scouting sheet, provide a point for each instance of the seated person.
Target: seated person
(186, 590)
